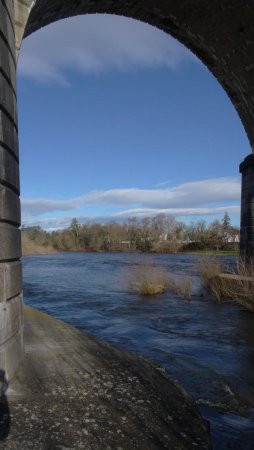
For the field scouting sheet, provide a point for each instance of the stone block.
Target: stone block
(9, 169)
(7, 62)
(246, 248)
(247, 175)
(247, 186)
(247, 198)
(8, 133)
(10, 242)
(10, 280)
(7, 98)
(6, 27)
(9, 205)
(248, 232)
(10, 8)
(14, 353)
(10, 318)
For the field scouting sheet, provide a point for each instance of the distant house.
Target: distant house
(231, 237)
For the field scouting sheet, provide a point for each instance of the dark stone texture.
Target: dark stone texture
(8, 133)
(247, 208)
(6, 26)
(9, 205)
(10, 245)
(7, 64)
(11, 337)
(9, 6)
(9, 169)
(7, 98)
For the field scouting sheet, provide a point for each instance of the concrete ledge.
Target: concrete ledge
(13, 351)
(75, 392)
(11, 356)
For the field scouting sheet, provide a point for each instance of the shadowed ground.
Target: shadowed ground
(75, 392)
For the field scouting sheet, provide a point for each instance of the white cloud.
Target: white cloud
(56, 223)
(98, 43)
(185, 195)
(197, 197)
(37, 207)
(177, 212)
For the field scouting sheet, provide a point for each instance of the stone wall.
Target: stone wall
(219, 32)
(247, 209)
(11, 347)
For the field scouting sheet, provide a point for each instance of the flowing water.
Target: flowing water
(208, 347)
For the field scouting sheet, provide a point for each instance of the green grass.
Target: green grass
(212, 253)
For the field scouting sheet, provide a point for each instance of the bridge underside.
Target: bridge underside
(219, 32)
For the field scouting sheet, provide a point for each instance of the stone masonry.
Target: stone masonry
(11, 347)
(219, 32)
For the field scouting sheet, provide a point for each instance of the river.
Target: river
(207, 346)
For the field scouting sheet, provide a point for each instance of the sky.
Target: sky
(117, 119)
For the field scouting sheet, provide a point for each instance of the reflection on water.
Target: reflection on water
(208, 347)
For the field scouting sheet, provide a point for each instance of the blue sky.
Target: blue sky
(117, 119)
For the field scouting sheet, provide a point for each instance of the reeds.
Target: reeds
(209, 270)
(147, 278)
(222, 282)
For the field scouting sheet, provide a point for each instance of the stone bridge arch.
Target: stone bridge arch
(219, 32)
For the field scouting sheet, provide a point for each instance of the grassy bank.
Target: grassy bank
(30, 248)
(212, 253)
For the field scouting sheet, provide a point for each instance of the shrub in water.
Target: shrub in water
(222, 282)
(147, 278)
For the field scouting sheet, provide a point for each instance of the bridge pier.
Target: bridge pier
(247, 208)
(227, 54)
(11, 333)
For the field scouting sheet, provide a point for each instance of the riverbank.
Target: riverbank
(76, 392)
(30, 249)
(33, 249)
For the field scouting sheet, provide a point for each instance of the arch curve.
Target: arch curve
(220, 33)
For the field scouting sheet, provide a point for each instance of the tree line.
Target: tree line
(162, 234)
